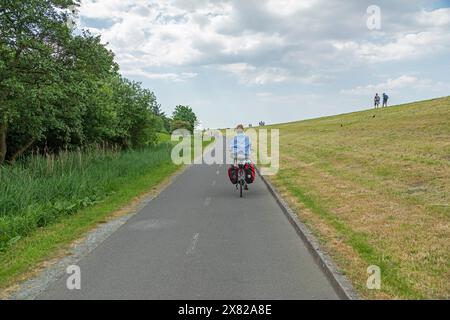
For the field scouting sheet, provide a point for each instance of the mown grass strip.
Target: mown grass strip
(358, 241)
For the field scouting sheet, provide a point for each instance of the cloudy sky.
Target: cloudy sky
(276, 60)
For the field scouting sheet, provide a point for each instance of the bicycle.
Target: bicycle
(240, 162)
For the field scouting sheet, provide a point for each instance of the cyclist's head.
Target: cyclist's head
(240, 128)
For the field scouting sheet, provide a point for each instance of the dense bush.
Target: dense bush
(179, 124)
(40, 190)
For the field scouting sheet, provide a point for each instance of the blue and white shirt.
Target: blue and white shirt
(241, 144)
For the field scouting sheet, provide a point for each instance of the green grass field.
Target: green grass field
(374, 186)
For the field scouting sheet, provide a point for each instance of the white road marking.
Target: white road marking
(207, 202)
(217, 172)
(213, 183)
(194, 241)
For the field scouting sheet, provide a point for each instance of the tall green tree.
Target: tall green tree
(33, 35)
(185, 113)
(167, 123)
(83, 110)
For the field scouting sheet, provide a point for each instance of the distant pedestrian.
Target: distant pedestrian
(376, 101)
(385, 100)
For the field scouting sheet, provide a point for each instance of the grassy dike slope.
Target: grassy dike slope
(374, 186)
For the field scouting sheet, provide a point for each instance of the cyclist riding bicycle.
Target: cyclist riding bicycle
(241, 147)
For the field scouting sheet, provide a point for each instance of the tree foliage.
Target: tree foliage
(180, 124)
(61, 91)
(185, 114)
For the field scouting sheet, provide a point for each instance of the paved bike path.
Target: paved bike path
(199, 240)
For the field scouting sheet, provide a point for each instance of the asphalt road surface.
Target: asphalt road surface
(199, 240)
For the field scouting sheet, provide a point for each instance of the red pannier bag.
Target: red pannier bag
(250, 173)
(233, 174)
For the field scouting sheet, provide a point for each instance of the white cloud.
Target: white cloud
(414, 35)
(175, 77)
(404, 46)
(288, 7)
(262, 42)
(395, 84)
(249, 74)
(103, 9)
(435, 18)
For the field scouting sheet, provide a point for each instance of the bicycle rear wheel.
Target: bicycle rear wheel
(240, 188)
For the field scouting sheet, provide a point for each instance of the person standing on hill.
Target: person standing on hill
(385, 100)
(377, 101)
